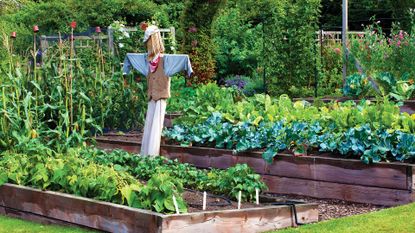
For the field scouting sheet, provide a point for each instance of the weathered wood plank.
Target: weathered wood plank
(36, 218)
(223, 161)
(247, 221)
(413, 179)
(347, 171)
(77, 210)
(354, 193)
(132, 147)
(65, 209)
(341, 171)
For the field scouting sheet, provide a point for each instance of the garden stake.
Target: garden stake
(70, 78)
(204, 200)
(13, 37)
(175, 205)
(35, 31)
(239, 199)
(257, 196)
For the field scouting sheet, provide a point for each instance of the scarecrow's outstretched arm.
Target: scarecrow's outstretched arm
(137, 61)
(174, 63)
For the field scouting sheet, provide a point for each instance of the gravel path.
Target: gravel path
(330, 208)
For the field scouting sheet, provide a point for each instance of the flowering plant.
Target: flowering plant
(379, 53)
(236, 82)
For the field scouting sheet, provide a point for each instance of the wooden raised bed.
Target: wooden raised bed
(169, 117)
(321, 177)
(54, 207)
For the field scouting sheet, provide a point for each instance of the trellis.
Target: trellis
(84, 41)
(335, 36)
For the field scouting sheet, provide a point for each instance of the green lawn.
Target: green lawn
(12, 225)
(394, 220)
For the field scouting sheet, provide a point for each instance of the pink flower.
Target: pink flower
(192, 29)
(398, 44)
(360, 35)
(400, 34)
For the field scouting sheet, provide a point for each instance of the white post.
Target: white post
(344, 40)
(257, 196)
(204, 200)
(239, 199)
(175, 205)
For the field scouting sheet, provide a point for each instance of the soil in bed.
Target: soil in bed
(194, 200)
(127, 137)
(327, 208)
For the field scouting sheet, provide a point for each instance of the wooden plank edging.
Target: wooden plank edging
(66, 209)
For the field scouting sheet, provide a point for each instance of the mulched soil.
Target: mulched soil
(331, 208)
(130, 137)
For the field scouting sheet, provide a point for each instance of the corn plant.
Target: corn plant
(73, 94)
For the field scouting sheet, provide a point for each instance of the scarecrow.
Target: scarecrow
(158, 68)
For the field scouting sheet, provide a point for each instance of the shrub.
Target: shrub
(290, 44)
(196, 30)
(238, 42)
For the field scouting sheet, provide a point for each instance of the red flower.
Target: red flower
(35, 28)
(73, 24)
(98, 30)
(143, 26)
(337, 50)
(13, 35)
